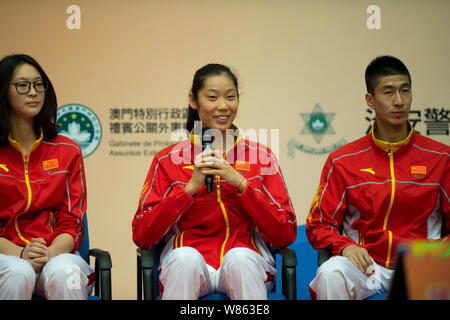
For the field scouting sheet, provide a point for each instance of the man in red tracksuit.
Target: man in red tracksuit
(389, 186)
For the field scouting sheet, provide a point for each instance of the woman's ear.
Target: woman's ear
(192, 101)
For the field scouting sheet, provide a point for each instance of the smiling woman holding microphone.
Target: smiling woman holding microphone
(216, 241)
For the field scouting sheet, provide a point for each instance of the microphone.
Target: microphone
(207, 145)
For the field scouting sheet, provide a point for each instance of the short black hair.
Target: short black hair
(383, 66)
(212, 69)
(46, 119)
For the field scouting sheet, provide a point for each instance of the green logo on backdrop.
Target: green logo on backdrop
(316, 123)
(80, 124)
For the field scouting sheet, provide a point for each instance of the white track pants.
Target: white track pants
(63, 277)
(184, 274)
(339, 279)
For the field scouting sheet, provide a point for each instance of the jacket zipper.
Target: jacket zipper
(29, 198)
(178, 241)
(225, 216)
(50, 221)
(391, 203)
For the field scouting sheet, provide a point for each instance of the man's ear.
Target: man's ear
(192, 101)
(369, 100)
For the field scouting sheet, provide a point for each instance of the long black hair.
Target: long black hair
(46, 119)
(200, 76)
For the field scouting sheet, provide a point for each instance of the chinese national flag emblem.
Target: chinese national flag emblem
(242, 165)
(50, 164)
(418, 170)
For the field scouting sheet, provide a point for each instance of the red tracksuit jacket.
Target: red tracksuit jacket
(382, 194)
(44, 194)
(224, 219)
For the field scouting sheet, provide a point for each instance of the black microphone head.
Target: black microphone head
(207, 140)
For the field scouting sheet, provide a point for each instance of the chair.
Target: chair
(103, 265)
(307, 263)
(148, 275)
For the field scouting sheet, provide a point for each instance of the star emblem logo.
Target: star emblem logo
(317, 123)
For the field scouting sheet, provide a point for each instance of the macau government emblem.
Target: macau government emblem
(80, 124)
(316, 123)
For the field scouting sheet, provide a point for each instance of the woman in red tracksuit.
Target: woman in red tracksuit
(216, 241)
(43, 191)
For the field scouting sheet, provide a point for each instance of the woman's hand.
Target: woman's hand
(36, 252)
(211, 162)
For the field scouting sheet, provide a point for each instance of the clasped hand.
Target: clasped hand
(211, 162)
(37, 253)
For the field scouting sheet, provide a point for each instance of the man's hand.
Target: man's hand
(359, 257)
